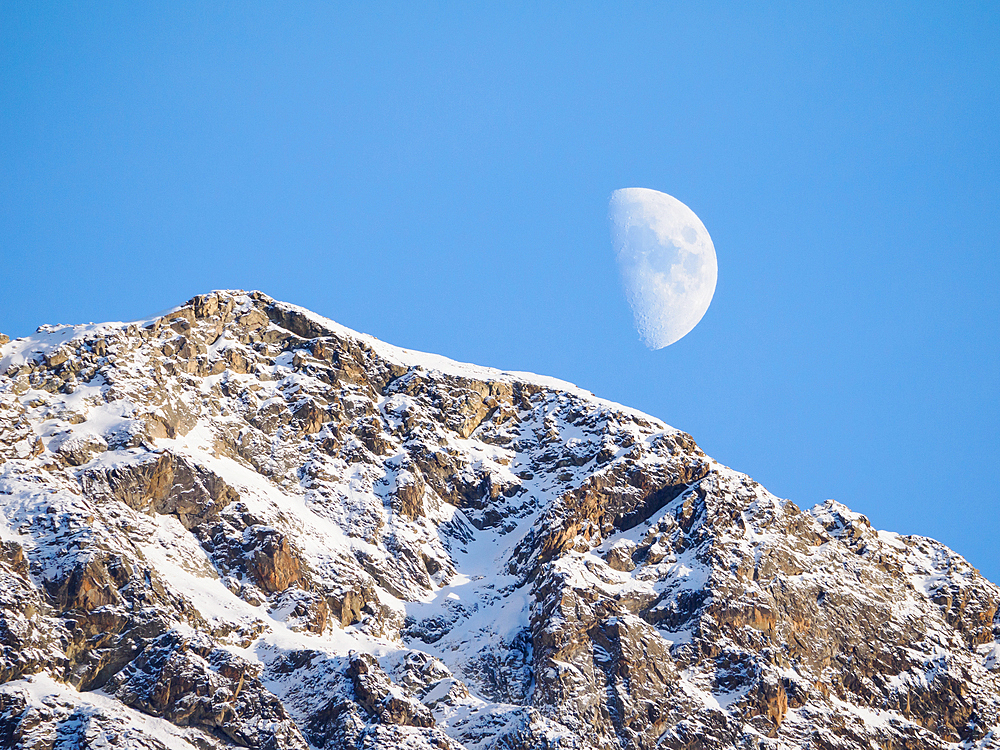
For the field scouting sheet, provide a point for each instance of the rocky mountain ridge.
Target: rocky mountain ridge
(240, 524)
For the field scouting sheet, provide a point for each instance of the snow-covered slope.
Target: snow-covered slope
(242, 525)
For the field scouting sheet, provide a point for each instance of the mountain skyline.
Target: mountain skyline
(241, 524)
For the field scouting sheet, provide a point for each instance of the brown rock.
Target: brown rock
(619, 557)
(410, 490)
(272, 561)
(311, 417)
(303, 610)
(166, 483)
(87, 585)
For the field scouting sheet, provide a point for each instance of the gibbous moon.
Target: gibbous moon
(667, 263)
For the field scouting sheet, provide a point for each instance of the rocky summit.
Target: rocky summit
(240, 524)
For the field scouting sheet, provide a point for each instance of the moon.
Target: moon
(667, 263)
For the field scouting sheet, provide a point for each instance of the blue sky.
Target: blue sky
(439, 178)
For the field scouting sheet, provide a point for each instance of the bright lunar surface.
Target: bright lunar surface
(667, 263)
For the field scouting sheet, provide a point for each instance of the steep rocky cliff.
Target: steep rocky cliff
(242, 525)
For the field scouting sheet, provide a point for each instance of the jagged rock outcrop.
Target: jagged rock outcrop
(241, 525)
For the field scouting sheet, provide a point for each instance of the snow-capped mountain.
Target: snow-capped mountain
(242, 525)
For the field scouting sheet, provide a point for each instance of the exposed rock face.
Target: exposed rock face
(241, 525)
(161, 482)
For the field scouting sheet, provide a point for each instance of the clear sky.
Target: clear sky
(440, 178)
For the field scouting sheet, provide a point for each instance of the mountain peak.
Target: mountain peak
(241, 524)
